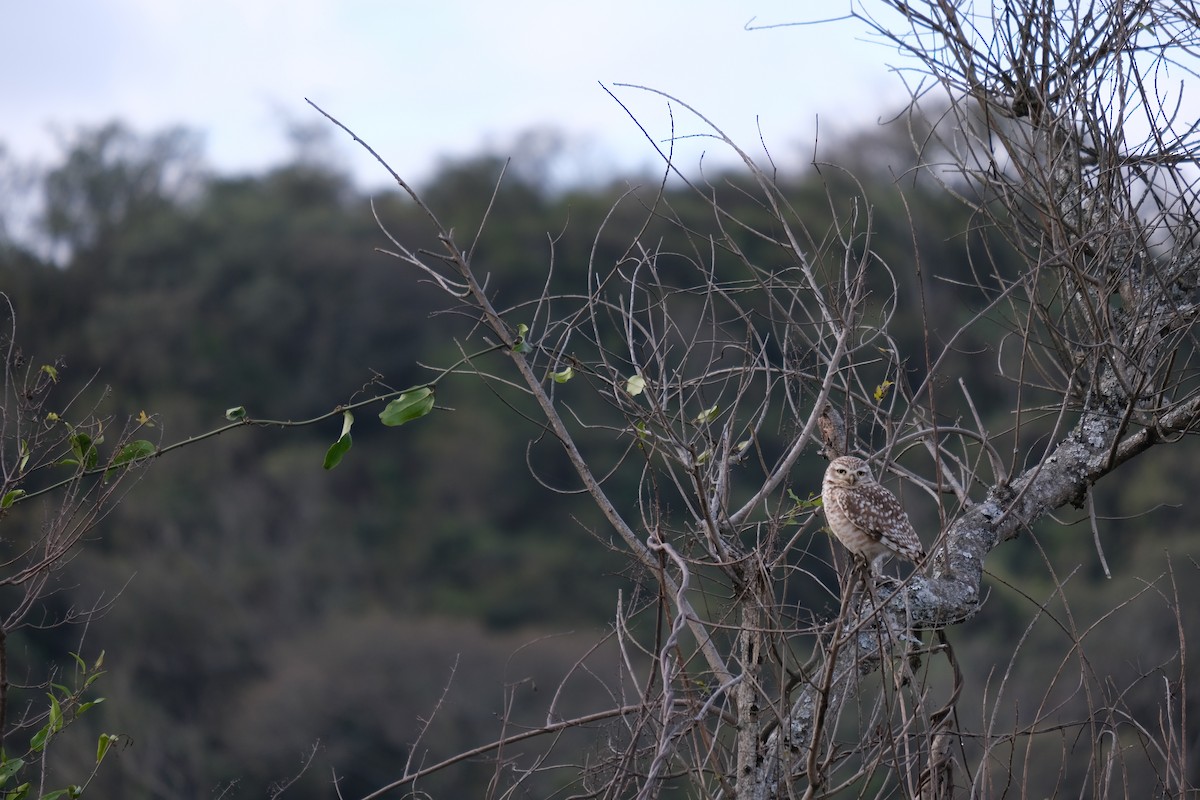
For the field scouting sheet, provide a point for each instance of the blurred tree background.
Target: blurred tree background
(259, 611)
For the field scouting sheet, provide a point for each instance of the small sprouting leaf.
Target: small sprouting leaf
(80, 663)
(562, 376)
(51, 371)
(99, 661)
(521, 344)
(23, 460)
(407, 407)
(144, 419)
(704, 457)
(882, 389)
(801, 506)
(333, 456)
(235, 414)
(52, 417)
(132, 451)
(9, 768)
(11, 497)
(707, 415)
(813, 501)
(635, 385)
(742, 446)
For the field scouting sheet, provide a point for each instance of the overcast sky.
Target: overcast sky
(423, 80)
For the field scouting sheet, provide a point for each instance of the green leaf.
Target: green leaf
(235, 414)
(24, 458)
(562, 376)
(11, 497)
(882, 389)
(20, 793)
(9, 768)
(105, 741)
(85, 706)
(407, 407)
(138, 448)
(56, 794)
(51, 371)
(333, 456)
(38, 740)
(56, 715)
(635, 385)
(133, 451)
(84, 449)
(707, 415)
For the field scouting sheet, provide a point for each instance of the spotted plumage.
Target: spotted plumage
(865, 516)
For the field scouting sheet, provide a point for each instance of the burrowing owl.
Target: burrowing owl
(866, 517)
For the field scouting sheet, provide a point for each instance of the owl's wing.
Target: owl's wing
(874, 509)
(879, 513)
